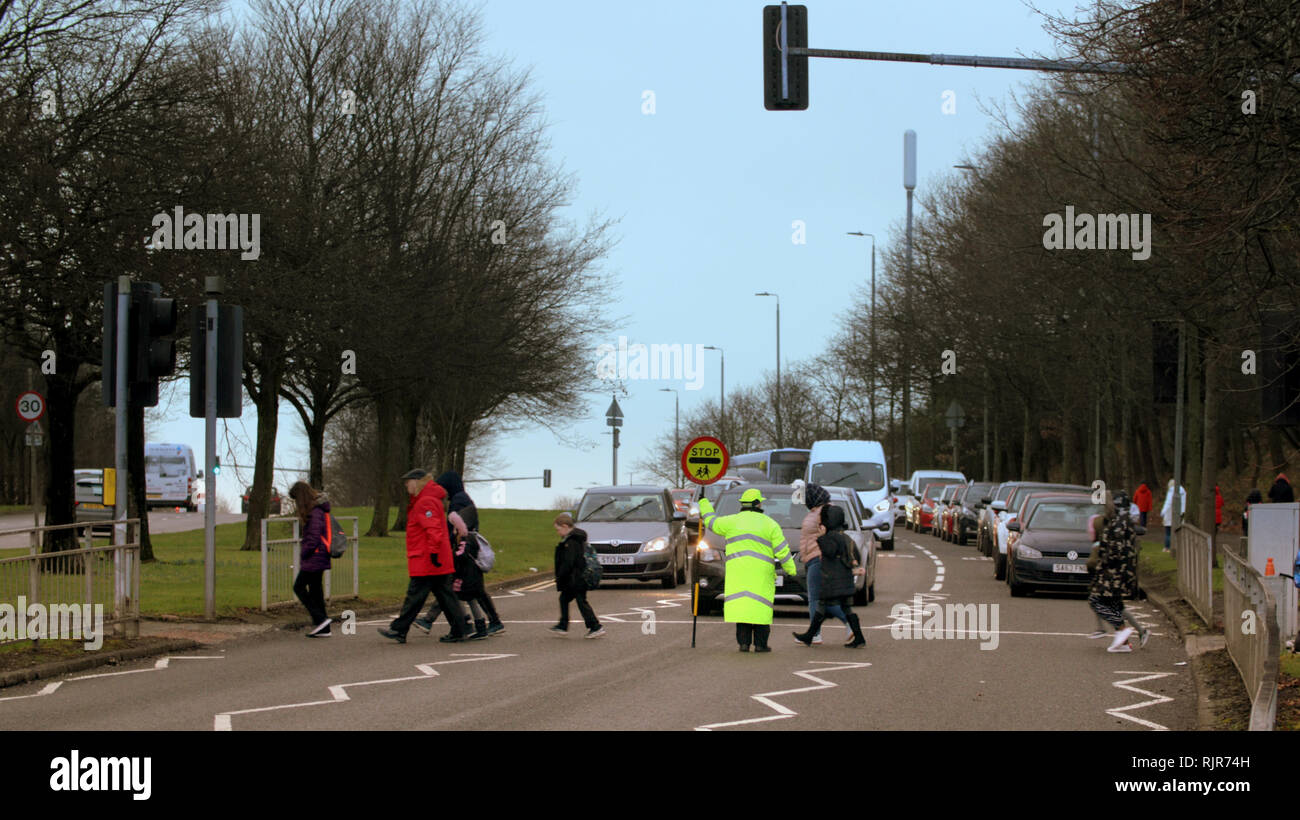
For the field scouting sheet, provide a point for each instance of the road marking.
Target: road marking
(893, 555)
(977, 558)
(938, 566)
(911, 614)
(339, 694)
(616, 617)
(783, 712)
(1155, 699)
(161, 663)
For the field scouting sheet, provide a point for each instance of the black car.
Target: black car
(971, 504)
(1052, 549)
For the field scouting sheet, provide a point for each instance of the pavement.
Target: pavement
(160, 521)
(1038, 672)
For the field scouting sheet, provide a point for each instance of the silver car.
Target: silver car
(88, 499)
(638, 533)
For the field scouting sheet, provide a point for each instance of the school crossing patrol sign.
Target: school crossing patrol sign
(705, 460)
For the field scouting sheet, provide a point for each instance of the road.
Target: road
(160, 521)
(1042, 674)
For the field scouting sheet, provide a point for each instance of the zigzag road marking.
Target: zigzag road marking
(911, 615)
(161, 663)
(617, 617)
(1155, 698)
(783, 712)
(339, 694)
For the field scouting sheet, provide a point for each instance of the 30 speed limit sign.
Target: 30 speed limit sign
(30, 406)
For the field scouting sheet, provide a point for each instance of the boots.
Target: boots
(805, 638)
(480, 630)
(856, 626)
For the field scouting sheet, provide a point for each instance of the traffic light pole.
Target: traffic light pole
(120, 401)
(213, 287)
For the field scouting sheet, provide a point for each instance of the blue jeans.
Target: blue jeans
(1167, 529)
(814, 592)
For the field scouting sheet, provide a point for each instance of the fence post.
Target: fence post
(356, 558)
(34, 577)
(263, 564)
(89, 564)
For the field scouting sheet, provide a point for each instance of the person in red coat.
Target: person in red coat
(429, 561)
(1218, 507)
(1142, 498)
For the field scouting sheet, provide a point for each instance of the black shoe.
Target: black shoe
(452, 639)
(400, 637)
(762, 649)
(804, 638)
(744, 647)
(480, 631)
(422, 624)
(496, 628)
(324, 633)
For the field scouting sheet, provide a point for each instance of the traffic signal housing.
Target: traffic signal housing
(150, 354)
(230, 361)
(785, 78)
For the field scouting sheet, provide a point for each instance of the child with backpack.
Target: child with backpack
(571, 576)
(839, 566)
(313, 509)
(462, 529)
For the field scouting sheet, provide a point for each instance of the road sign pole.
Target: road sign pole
(120, 396)
(210, 364)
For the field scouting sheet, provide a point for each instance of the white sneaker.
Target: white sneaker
(1098, 634)
(595, 633)
(1146, 636)
(1121, 640)
(817, 639)
(323, 626)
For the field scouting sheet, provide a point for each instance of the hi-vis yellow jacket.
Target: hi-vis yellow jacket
(754, 546)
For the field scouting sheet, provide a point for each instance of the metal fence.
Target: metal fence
(1194, 555)
(105, 578)
(280, 562)
(1254, 642)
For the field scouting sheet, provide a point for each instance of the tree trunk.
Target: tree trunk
(1027, 447)
(384, 414)
(997, 451)
(268, 421)
(138, 506)
(1164, 469)
(316, 447)
(1194, 409)
(1276, 455)
(1210, 454)
(410, 427)
(60, 421)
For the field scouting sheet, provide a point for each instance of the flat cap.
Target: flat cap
(416, 473)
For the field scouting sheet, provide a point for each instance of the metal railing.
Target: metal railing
(1194, 555)
(1250, 630)
(106, 576)
(280, 562)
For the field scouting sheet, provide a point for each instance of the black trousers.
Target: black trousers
(417, 592)
(588, 615)
(484, 601)
(310, 589)
(757, 634)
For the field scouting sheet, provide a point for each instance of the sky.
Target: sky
(658, 111)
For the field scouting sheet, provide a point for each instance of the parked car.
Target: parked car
(900, 493)
(926, 506)
(88, 499)
(711, 554)
(917, 484)
(1008, 514)
(970, 504)
(986, 538)
(1053, 545)
(683, 497)
(944, 511)
(274, 509)
(638, 533)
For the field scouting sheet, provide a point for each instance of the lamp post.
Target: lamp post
(779, 432)
(722, 393)
(909, 184)
(677, 418)
(872, 339)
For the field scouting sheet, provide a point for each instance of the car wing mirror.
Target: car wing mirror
(1013, 526)
(678, 515)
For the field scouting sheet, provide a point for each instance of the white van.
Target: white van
(170, 474)
(861, 466)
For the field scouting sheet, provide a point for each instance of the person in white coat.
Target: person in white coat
(1167, 511)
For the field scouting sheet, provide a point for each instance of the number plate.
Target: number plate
(780, 580)
(615, 559)
(92, 506)
(1071, 568)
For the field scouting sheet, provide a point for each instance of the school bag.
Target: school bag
(486, 558)
(335, 540)
(592, 570)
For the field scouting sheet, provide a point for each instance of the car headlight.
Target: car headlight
(1027, 552)
(656, 544)
(882, 506)
(707, 553)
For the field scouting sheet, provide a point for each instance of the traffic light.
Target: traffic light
(216, 465)
(230, 361)
(546, 478)
(1279, 368)
(155, 354)
(150, 355)
(785, 78)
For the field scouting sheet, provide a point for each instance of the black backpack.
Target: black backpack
(592, 569)
(335, 540)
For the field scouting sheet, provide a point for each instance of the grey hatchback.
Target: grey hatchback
(638, 533)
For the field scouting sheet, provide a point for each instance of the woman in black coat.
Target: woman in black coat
(839, 565)
(1281, 492)
(570, 559)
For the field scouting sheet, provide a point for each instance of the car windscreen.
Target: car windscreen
(934, 491)
(977, 492)
(622, 507)
(1063, 516)
(777, 506)
(857, 475)
(1004, 492)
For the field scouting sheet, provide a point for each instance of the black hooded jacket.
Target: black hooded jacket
(1281, 492)
(469, 578)
(570, 561)
(458, 501)
(838, 555)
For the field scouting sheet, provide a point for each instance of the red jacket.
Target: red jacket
(1218, 505)
(1142, 498)
(428, 550)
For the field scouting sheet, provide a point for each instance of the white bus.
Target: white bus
(170, 474)
(780, 466)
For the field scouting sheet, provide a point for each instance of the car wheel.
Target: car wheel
(887, 546)
(860, 596)
(681, 570)
(999, 567)
(670, 580)
(1018, 590)
(961, 539)
(871, 593)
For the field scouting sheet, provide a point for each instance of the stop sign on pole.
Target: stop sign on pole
(705, 460)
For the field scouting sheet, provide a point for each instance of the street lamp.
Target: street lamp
(722, 393)
(779, 431)
(677, 442)
(874, 433)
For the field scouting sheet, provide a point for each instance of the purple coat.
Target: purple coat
(314, 556)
